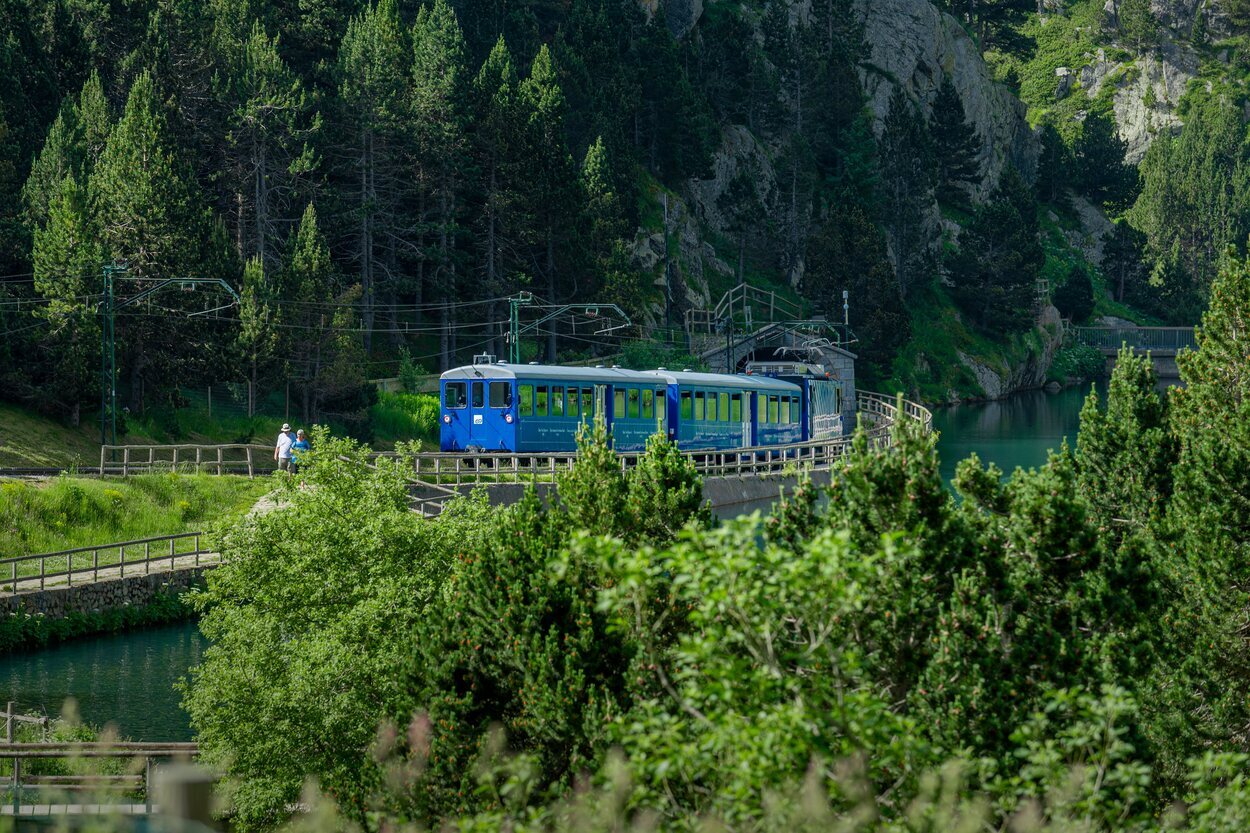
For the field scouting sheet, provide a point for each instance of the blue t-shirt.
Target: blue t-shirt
(298, 446)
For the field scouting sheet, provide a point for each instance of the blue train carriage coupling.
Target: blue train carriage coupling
(715, 411)
(826, 396)
(538, 408)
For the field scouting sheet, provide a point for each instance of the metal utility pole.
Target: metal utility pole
(108, 335)
(516, 329)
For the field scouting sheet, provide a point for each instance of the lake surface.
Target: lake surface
(126, 679)
(1015, 432)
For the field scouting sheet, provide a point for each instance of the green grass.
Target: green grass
(405, 417)
(67, 512)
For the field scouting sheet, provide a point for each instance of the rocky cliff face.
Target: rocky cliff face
(914, 45)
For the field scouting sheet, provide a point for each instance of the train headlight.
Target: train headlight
(447, 419)
(507, 418)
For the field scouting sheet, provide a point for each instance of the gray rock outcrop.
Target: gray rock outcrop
(914, 45)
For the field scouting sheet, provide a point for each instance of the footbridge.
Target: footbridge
(1161, 343)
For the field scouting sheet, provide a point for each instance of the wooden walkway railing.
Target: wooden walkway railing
(18, 785)
(83, 565)
(238, 458)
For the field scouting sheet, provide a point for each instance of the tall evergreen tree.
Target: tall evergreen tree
(907, 186)
(1104, 175)
(67, 262)
(258, 335)
(372, 91)
(308, 286)
(995, 271)
(956, 145)
(1124, 261)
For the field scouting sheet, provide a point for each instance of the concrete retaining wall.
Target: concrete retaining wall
(132, 591)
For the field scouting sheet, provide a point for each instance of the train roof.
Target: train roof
(737, 380)
(609, 375)
(502, 370)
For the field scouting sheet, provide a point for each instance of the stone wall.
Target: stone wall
(131, 591)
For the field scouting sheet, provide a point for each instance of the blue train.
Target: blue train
(538, 408)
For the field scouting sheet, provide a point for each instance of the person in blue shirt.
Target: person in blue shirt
(299, 446)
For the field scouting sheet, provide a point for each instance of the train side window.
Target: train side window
(618, 403)
(571, 409)
(527, 400)
(785, 410)
(633, 403)
(796, 410)
(453, 395)
(479, 395)
(500, 394)
(687, 409)
(661, 405)
(698, 406)
(588, 402)
(648, 404)
(724, 407)
(772, 410)
(711, 407)
(735, 408)
(837, 399)
(541, 398)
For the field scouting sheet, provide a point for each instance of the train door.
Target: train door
(477, 415)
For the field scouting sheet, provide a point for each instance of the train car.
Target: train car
(722, 411)
(538, 408)
(824, 398)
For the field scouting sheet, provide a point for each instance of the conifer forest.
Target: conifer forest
(308, 199)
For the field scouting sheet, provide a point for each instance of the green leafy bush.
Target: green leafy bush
(1078, 362)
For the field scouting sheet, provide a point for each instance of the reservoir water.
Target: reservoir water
(128, 679)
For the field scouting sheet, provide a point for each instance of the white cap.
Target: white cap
(286, 426)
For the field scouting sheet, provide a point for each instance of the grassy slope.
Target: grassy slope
(67, 512)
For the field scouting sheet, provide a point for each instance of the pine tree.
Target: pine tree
(67, 262)
(61, 156)
(1075, 296)
(258, 334)
(995, 270)
(907, 186)
(590, 494)
(268, 127)
(372, 92)
(1100, 165)
(308, 284)
(549, 173)
(956, 145)
(1136, 23)
(1054, 166)
(1123, 260)
(440, 111)
(663, 493)
(848, 253)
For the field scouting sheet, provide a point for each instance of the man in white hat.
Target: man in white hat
(282, 451)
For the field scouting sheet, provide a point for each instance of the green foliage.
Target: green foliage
(410, 372)
(1075, 298)
(648, 355)
(405, 416)
(956, 145)
(1077, 362)
(1099, 161)
(1136, 23)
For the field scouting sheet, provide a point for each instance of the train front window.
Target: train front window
(541, 397)
(735, 408)
(648, 404)
(527, 400)
(500, 395)
(479, 395)
(557, 400)
(453, 395)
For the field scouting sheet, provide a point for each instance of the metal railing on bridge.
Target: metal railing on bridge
(1155, 339)
(85, 565)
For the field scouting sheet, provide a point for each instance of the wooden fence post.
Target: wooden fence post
(125, 461)
(220, 453)
(251, 472)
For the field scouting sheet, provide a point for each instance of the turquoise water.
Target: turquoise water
(125, 679)
(1016, 432)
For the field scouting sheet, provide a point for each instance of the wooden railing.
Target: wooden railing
(65, 568)
(236, 458)
(17, 783)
